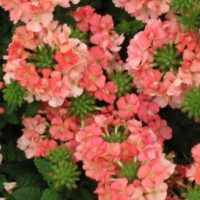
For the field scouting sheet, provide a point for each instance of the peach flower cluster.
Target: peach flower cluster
(101, 29)
(48, 64)
(132, 133)
(168, 77)
(144, 10)
(35, 13)
(46, 130)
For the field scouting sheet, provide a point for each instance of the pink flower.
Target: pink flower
(83, 16)
(120, 190)
(107, 93)
(196, 153)
(67, 59)
(144, 10)
(101, 23)
(148, 111)
(128, 106)
(44, 147)
(161, 129)
(62, 129)
(93, 78)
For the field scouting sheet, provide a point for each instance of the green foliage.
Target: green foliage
(82, 106)
(43, 57)
(65, 175)
(115, 135)
(49, 195)
(14, 95)
(12, 153)
(44, 168)
(129, 27)
(188, 13)
(191, 103)
(167, 58)
(31, 109)
(129, 170)
(59, 154)
(24, 193)
(193, 193)
(58, 169)
(76, 33)
(122, 80)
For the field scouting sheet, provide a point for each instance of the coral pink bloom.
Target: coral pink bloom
(16, 51)
(101, 165)
(144, 10)
(157, 193)
(107, 93)
(196, 153)
(101, 23)
(128, 151)
(37, 124)
(62, 129)
(151, 174)
(197, 174)
(128, 106)
(83, 16)
(93, 148)
(44, 147)
(161, 129)
(28, 143)
(27, 75)
(148, 111)
(98, 55)
(93, 78)
(120, 190)
(67, 59)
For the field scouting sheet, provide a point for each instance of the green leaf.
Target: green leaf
(2, 180)
(44, 168)
(49, 195)
(11, 153)
(27, 193)
(32, 108)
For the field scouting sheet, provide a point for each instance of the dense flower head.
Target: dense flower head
(144, 10)
(164, 62)
(86, 102)
(49, 64)
(122, 144)
(36, 14)
(43, 132)
(101, 29)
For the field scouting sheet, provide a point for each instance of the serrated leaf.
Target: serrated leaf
(44, 168)
(27, 193)
(49, 195)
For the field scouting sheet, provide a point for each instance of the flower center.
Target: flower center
(118, 134)
(43, 57)
(167, 58)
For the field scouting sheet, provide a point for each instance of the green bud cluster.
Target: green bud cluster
(82, 106)
(123, 81)
(191, 103)
(129, 170)
(115, 135)
(43, 57)
(167, 58)
(14, 95)
(193, 193)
